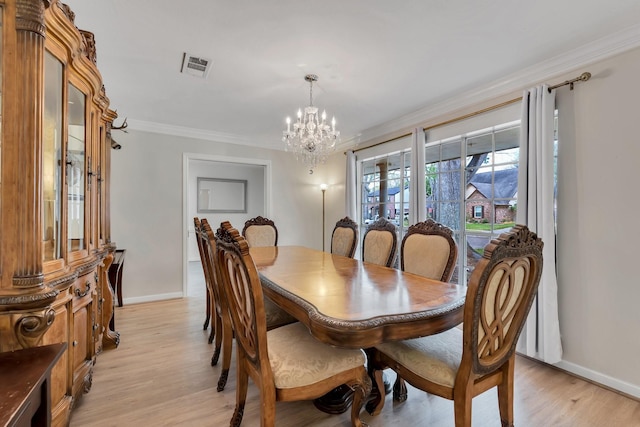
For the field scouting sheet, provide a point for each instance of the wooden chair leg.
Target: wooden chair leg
(218, 344)
(241, 392)
(215, 318)
(462, 405)
(361, 392)
(375, 405)
(268, 405)
(208, 314)
(505, 393)
(227, 343)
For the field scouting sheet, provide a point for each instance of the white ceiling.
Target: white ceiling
(378, 60)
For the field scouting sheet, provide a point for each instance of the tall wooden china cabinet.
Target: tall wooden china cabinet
(55, 246)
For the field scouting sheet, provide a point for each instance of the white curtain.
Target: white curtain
(417, 190)
(350, 202)
(541, 335)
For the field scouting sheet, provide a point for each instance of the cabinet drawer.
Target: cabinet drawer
(83, 288)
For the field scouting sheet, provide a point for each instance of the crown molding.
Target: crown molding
(583, 56)
(186, 132)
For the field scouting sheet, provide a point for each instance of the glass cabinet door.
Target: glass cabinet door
(76, 168)
(52, 158)
(1, 86)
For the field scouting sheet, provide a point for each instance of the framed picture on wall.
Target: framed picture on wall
(220, 195)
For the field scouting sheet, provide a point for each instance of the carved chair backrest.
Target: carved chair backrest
(344, 238)
(260, 231)
(428, 249)
(380, 243)
(500, 292)
(196, 226)
(200, 239)
(243, 289)
(208, 250)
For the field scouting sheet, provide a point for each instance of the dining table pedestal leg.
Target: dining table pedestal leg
(338, 400)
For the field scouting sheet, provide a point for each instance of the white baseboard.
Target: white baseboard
(597, 377)
(152, 298)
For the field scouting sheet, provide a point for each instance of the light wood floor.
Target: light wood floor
(161, 376)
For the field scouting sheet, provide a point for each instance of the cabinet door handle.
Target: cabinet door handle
(86, 290)
(75, 343)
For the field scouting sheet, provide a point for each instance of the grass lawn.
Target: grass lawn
(487, 227)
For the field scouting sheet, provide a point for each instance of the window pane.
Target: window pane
(385, 189)
(470, 179)
(76, 168)
(448, 185)
(52, 158)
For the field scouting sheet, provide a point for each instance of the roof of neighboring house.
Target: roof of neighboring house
(505, 183)
(390, 192)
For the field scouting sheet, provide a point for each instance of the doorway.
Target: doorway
(255, 173)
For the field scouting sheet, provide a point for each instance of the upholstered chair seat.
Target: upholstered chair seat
(297, 359)
(434, 357)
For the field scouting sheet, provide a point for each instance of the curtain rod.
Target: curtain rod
(446, 122)
(581, 78)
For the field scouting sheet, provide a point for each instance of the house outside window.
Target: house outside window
(472, 183)
(385, 190)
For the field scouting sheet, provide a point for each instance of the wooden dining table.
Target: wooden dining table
(350, 303)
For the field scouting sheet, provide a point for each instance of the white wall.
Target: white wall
(599, 288)
(146, 206)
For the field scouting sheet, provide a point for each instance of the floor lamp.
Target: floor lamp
(323, 187)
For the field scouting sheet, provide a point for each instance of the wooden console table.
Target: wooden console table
(25, 389)
(115, 273)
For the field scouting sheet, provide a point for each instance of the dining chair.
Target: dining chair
(221, 321)
(460, 364)
(260, 231)
(380, 243)
(287, 363)
(428, 250)
(344, 238)
(209, 293)
(224, 333)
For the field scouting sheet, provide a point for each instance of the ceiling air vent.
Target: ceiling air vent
(195, 65)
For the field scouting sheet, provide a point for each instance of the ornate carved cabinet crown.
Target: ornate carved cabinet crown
(55, 244)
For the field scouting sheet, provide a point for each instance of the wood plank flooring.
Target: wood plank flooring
(161, 376)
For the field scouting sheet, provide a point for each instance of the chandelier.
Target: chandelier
(311, 139)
